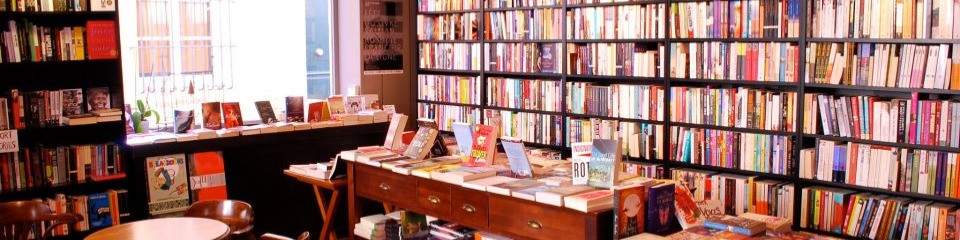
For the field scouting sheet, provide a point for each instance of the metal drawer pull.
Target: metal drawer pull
(534, 224)
(384, 186)
(433, 199)
(468, 208)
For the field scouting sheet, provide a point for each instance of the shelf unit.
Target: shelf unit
(800, 87)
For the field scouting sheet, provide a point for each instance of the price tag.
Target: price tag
(9, 142)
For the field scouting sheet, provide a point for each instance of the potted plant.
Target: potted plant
(140, 115)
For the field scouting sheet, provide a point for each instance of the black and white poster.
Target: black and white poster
(382, 37)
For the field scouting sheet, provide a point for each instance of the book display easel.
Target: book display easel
(735, 87)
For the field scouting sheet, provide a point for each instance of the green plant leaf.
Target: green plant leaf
(154, 113)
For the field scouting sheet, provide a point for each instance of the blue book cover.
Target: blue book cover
(660, 212)
(463, 132)
(517, 156)
(99, 206)
(604, 158)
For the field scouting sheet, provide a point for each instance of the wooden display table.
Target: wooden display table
(165, 228)
(327, 211)
(490, 212)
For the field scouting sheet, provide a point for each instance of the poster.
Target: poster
(167, 184)
(382, 37)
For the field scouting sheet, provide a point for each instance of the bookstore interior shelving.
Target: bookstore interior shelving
(801, 73)
(34, 73)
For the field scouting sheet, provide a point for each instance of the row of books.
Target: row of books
(543, 95)
(97, 210)
(736, 19)
(521, 3)
(38, 167)
(890, 168)
(617, 100)
(908, 19)
(641, 140)
(875, 216)
(523, 57)
(455, 26)
(449, 88)
(56, 5)
(446, 115)
(535, 24)
(925, 122)
(734, 150)
(615, 59)
(884, 65)
(47, 108)
(737, 194)
(772, 62)
(447, 5)
(24, 41)
(617, 22)
(734, 107)
(450, 56)
(529, 127)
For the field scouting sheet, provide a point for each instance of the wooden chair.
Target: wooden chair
(18, 218)
(270, 236)
(236, 214)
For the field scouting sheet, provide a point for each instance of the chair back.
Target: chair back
(21, 218)
(236, 214)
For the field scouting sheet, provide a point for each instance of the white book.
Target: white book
(481, 184)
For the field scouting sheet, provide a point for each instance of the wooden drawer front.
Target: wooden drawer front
(433, 197)
(383, 185)
(469, 207)
(527, 219)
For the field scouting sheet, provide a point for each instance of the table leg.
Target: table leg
(327, 211)
(387, 208)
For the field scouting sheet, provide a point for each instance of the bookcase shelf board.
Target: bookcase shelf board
(615, 79)
(449, 12)
(521, 8)
(779, 177)
(911, 195)
(446, 71)
(745, 40)
(57, 15)
(449, 41)
(611, 4)
(882, 143)
(885, 40)
(746, 83)
(66, 188)
(881, 89)
(523, 110)
(634, 40)
(522, 41)
(449, 103)
(733, 129)
(585, 116)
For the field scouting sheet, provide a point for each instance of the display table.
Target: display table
(328, 208)
(490, 212)
(165, 228)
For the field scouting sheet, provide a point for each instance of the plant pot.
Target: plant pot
(144, 126)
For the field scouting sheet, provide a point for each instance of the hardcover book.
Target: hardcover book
(629, 206)
(422, 142)
(99, 215)
(207, 179)
(393, 141)
(660, 216)
(318, 112)
(352, 104)
(231, 115)
(517, 157)
(265, 110)
(101, 39)
(604, 162)
(72, 102)
(183, 120)
(548, 54)
(580, 161)
(295, 109)
(211, 115)
(371, 101)
(167, 184)
(98, 99)
(463, 132)
(484, 145)
(336, 105)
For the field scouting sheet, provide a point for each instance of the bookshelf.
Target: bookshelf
(796, 40)
(52, 74)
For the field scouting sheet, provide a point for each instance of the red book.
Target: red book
(484, 145)
(5, 172)
(912, 135)
(231, 114)
(925, 130)
(318, 111)
(102, 39)
(855, 105)
(207, 179)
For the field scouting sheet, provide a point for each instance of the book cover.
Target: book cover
(604, 160)
(318, 112)
(371, 101)
(687, 210)
(660, 217)
(421, 143)
(99, 215)
(411, 223)
(265, 110)
(183, 120)
(736, 225)
(207, 176)
(101, 39)
(352, 104)
(231, 114)
(463, 132)
(98, 99)
(102, 5)
(398, 122)
(547, 58)
(211, 115)
(484, 145)
(629, 209)
(295, 109)
(167, 184)
(336, 105)
(517, 157)
(580, 161)
(72, 100)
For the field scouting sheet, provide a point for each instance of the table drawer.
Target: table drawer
(528, 219)
(433, 197)
(384, 185)
(469, 207)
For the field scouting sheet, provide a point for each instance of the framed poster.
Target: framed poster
(382, 35)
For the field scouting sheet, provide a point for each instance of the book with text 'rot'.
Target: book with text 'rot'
(484, 145)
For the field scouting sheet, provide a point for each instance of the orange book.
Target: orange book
(207, 177)
(318, 112)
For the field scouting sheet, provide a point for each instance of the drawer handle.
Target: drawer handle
(384, 186)
(534, 224)
(433, 199)
(468, 208)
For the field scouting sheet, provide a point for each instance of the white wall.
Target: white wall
(348, 62)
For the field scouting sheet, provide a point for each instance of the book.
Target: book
(167, 184)
(407, 168)
(371, 101)
(353, 104)
(736, 225)
(103, 5)
(590, 201)
(422, 142)
(211, 115)
(629, 206)
(231, 114)
(463, 132)
(555, 196)
(772, 223)
(294, 109)
(398, 123)
(318, 112)
(530, 194)
(701, 232)
(72, 102)
(508, 187)
(580, 161)
(265, 110)
(462, 174)
(102, 39)
(183, 120)
(337, 106)
(660, 214)
(98, 98)
(484, 144)
(483, 183)
(207, 176)
(412, 222)
(517, 157)
(100, 211)
(604, 168)
(687, 210)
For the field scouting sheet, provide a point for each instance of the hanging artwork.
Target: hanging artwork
(382, 35)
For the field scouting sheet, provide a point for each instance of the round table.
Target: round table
(165, 228)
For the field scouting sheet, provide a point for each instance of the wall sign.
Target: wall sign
(382, 35)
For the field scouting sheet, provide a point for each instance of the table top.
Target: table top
(324, 183)
(165, 228)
